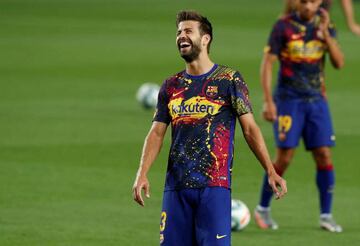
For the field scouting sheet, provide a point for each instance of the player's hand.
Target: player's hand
(278, 185)
(323, 90)
(269, 111)
(141, 183)
(324, 21)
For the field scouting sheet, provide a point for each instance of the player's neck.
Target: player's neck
(305, 20)
(199, 66)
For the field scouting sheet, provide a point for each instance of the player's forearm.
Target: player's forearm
(336, 55)
(347, 7)
(266, 78)
(151, 149)
(257, 145)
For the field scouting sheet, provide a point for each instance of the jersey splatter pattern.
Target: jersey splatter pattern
(202, 111)
(301, 48)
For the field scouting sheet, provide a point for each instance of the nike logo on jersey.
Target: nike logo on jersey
(219, 237)
(178, 92)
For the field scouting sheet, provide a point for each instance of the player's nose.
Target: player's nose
(182, 34)
(308, 6)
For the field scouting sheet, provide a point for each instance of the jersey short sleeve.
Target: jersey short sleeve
(162, 111)
(239, 95)
(275, 41)
(332, 31)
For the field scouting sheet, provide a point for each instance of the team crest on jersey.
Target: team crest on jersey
(211, 91)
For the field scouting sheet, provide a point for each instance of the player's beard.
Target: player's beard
(193, 53)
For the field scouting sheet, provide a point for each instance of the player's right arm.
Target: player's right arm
(151, 149)
(152, 145)
(266, 70)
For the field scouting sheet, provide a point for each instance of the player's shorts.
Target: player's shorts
(309, 119)
(196, 217)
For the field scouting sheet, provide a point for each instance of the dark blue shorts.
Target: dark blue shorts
(310, 120)
(192, 217)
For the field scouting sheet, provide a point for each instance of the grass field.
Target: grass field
(71, 131)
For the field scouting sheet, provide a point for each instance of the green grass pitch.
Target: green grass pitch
(71, 131)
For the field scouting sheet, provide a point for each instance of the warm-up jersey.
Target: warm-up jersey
(202, 111)
(301, 49)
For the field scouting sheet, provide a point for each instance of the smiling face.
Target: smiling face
(190, 41)
(307, 8)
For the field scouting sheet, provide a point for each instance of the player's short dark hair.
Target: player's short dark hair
(191, 15)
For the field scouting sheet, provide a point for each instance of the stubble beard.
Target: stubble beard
(192, 54)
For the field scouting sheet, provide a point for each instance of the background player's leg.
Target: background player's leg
(262, 211)
(287, 129)
(213, 217)
(318, 137)
(325, 180)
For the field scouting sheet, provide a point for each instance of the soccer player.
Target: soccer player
(346, 5)
(299, 108)
(202, 104)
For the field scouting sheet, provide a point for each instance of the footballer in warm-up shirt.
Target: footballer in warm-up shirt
(202, 111)
(301, 50)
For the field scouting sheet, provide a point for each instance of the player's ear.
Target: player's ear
(206, 39)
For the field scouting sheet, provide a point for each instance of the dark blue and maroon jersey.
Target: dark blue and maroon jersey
(301, 50)
(202, 111)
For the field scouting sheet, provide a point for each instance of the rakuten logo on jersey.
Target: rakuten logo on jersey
(193, 108)
(299, 51)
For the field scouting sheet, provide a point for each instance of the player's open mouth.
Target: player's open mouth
(184, 45)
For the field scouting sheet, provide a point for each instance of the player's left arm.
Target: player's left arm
(336, 55)
(255, 140)
(348, 9)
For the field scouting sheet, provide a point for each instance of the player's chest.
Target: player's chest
(304, 45)
(212, 90)
(196, 99)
